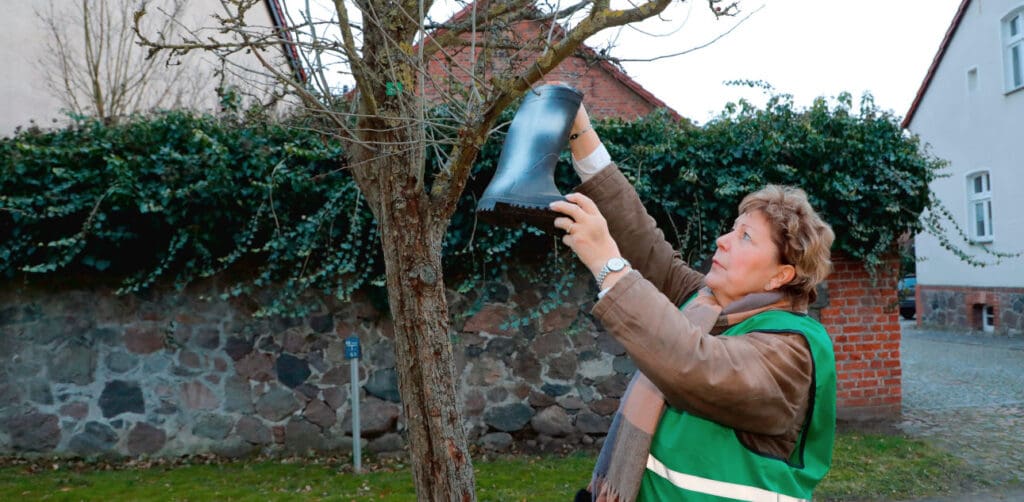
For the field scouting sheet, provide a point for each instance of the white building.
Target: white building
(39, 67)
(970, 110)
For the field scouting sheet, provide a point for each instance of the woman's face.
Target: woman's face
(746, 261)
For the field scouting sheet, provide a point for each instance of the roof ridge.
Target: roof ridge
(614, 70)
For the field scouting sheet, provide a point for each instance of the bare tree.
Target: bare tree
(402, 62)
(95, 67)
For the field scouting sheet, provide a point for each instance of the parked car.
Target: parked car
(906, 292)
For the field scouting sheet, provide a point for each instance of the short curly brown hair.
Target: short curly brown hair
(802, 237)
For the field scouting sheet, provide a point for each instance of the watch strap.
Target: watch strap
(607, 269)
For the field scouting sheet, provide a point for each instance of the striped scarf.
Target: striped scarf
(623, 458)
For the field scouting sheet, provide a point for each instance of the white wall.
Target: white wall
(983, 129)
(25, 92)
(21, 95)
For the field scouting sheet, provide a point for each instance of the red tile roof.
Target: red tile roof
(277, 14)
(617, 73)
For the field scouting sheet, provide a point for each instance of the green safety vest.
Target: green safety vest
(696, 459)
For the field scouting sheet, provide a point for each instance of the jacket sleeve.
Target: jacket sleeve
(757, 382)
(638, 237)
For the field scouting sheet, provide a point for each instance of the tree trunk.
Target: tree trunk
(423, 350)
(411, 239)
(387, 161)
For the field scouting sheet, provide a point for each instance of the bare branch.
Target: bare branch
(692, 49)
(94, 66)
(359, 70)
(307, 98)
(449, 184)
(230, 24)
(730, 9)
(447, 34)
(316, 66)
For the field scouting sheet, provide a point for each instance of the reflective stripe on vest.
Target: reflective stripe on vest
(716, 488)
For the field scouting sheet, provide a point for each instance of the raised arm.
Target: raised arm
(634, 231)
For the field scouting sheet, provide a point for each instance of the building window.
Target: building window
(988, 318)
(979, 207)
(1013, 49)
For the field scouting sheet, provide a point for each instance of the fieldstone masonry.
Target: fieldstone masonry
(168, 373)
(961, 307)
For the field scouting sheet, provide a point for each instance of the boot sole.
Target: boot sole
(514, 214)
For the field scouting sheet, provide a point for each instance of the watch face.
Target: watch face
(616, 264)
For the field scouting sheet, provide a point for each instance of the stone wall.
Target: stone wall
(171, 373)
(961, 307)
(85, 372)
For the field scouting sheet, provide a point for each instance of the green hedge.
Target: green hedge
(176, 197)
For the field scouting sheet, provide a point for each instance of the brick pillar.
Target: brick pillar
(863, 321)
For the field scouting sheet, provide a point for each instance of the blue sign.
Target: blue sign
(352, 349)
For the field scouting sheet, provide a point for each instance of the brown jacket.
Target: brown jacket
(757, 383)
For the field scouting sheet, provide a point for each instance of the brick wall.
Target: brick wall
(862, 318)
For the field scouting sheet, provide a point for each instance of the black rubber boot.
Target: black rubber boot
(524, 182)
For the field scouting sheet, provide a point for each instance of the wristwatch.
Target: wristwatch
(614, 265)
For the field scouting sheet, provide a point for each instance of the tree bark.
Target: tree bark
(424, 358)
(388, 164)
(411, 240)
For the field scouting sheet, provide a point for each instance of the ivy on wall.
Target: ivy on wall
(175, 197)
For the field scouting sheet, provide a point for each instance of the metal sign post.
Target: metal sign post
(353, 352)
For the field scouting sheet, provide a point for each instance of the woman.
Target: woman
(735, 393)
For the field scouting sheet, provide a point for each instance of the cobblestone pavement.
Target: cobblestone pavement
(964, 392)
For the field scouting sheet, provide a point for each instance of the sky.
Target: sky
(806, 48)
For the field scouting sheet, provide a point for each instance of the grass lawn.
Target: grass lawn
(866, 466)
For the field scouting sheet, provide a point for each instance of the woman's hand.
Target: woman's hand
(586, 233)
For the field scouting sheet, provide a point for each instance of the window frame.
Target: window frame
(985, 198)
(988, 318)
(1013, 75)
